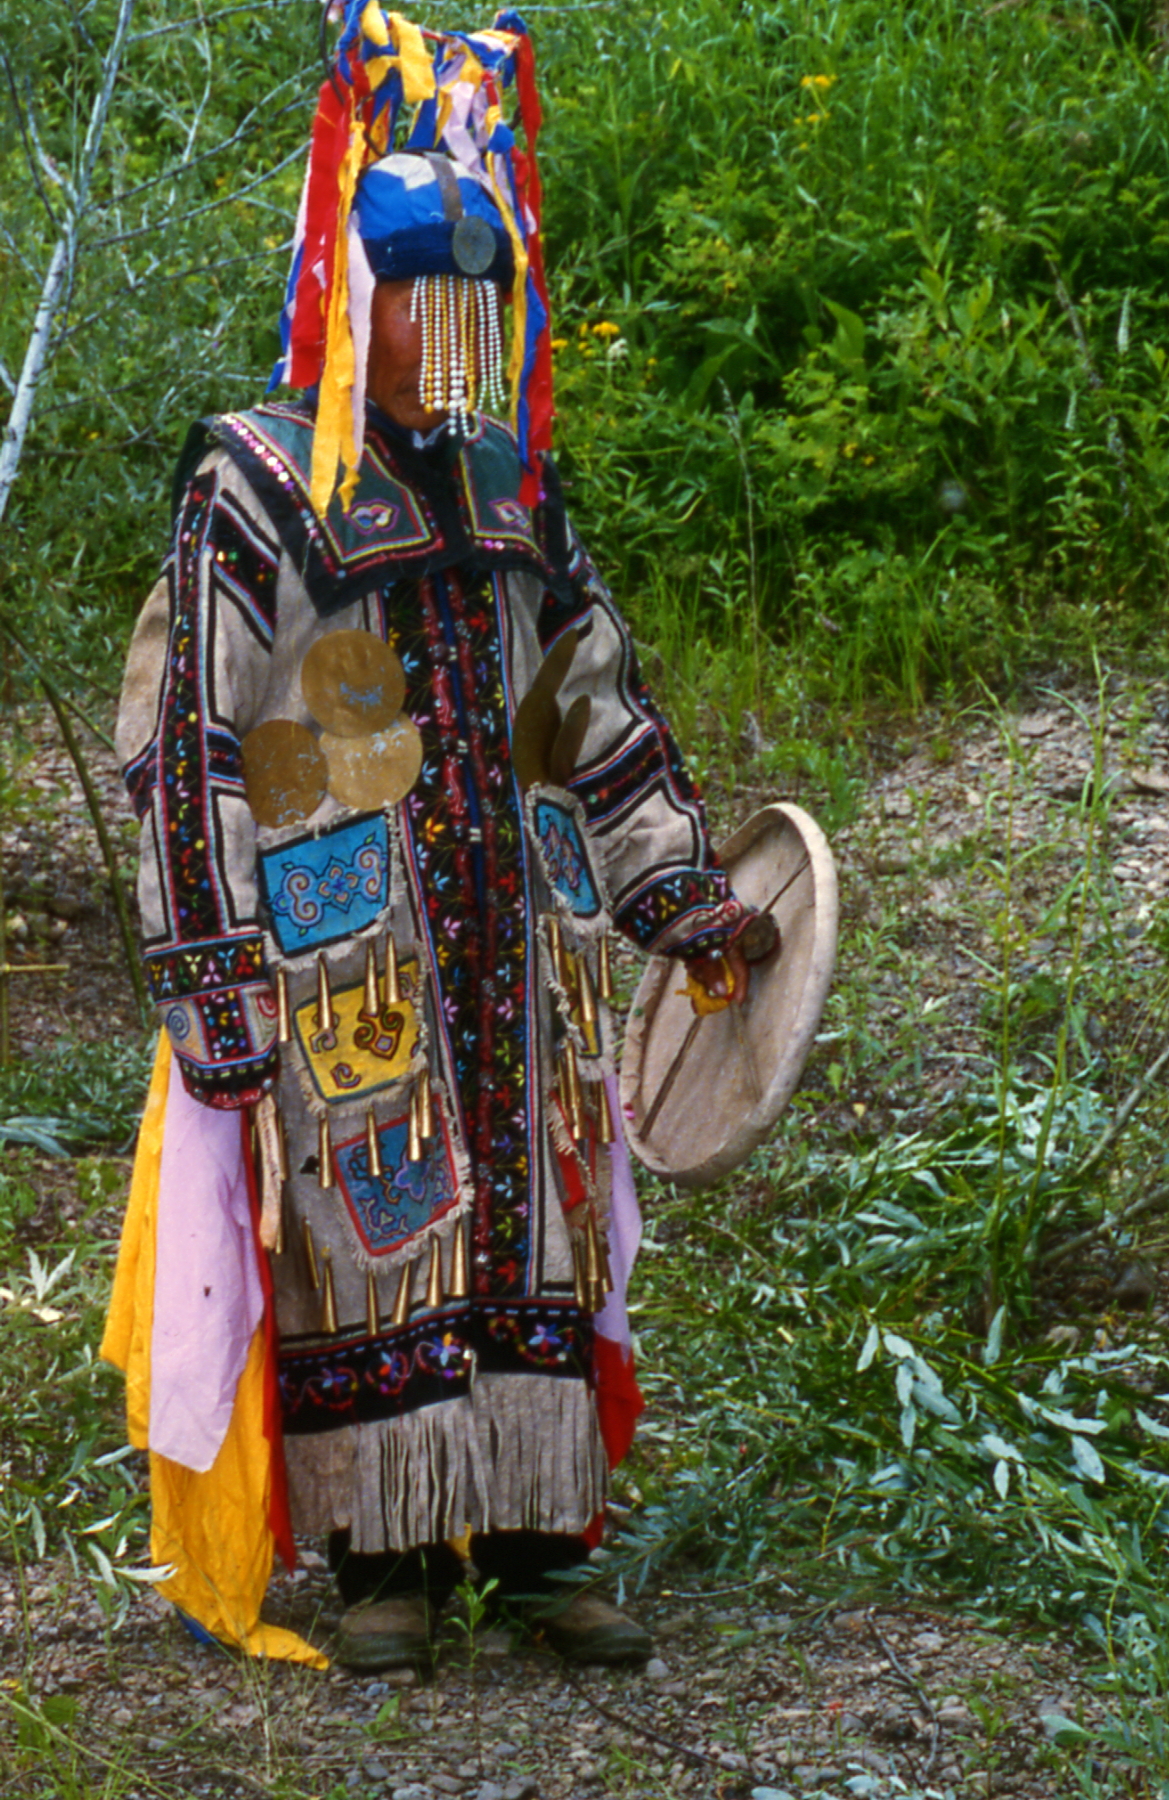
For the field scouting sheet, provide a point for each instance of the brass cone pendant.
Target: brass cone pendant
(278, 1244)
(605, 1131)
(370, 999)
(393, 980)
(310, 1256)
(586, 991)
(594, 1269)
(373, 1148)
(329, 1299)
(460, 1279)
(434, 1276)
(572, 1092)
(283, 1010)
(604, 970)
(325, 1176)
(579, 1288)
(324, 996)
(556, 946)
(401, 1310)
(425, 1106)
(373, 1322)
(413, 1134)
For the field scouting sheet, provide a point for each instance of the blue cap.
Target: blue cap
(419, 214)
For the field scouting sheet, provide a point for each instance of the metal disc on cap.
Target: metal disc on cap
(284, 772)
(352, 683)
(699, 1095)
(473, 245)
(377, 770)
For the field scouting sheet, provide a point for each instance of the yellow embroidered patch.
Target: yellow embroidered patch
(358, 1054)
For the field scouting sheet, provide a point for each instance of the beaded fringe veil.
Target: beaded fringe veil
(462, 346)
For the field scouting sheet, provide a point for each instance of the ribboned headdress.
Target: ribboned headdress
(456, 207)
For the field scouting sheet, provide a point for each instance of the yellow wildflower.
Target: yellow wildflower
(559, 343)
(605, 328)
(823, 82)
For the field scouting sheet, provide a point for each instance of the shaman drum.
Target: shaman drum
(699, 1094)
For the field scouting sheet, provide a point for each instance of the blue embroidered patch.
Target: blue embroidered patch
(565, 859)
(408, 1198)
(319, 890)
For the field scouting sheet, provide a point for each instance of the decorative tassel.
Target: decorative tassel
(460, 1280)
(372, 1147)
(370, 1000)
(604, 969)
(329, 1301)
(373, 1321)
(401, 1310)
(325, 1176)
(283, 1010)
(434, 1277)
(393, 981)
(310, 1256)
(324, 996)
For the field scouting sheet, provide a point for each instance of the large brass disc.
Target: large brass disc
(700, 1094)
(533, 733)
(284, 772)
(376, 770)
(551, 674)
(352, 683)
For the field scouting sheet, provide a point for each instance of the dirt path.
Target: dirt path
(751, 1692)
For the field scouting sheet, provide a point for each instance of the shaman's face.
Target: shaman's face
(395, 358)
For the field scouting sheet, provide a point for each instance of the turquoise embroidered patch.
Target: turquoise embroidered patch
(319, 890)
(407, 1199)
(565, 857)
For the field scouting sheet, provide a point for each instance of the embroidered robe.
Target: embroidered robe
(419, 1410)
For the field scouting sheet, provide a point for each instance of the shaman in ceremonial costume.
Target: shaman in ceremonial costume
(398, 777)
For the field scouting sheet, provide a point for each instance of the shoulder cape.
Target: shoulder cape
(414, 512)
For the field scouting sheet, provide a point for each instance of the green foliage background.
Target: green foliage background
(861, 306)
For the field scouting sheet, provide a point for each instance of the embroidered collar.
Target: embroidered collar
(415, 511)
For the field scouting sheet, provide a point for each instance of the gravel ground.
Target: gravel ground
(752, 1691)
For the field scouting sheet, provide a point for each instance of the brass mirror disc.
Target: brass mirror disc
(376, 770)
(570, 741)
(551, 674)
(284, 772)
(533, 733)
(353, 684)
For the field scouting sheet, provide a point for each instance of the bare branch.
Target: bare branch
(209, 268)
(58, 274)
(6, 378)
(247, 127)
(125, 237)
(225, 12)
(25, 139)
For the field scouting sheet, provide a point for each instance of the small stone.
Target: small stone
(413, 1790)
(488, 1790)
(376, 1771)
(656, 1669)
(524, 1788)
(929, 1641)
(1134, 1286)
(770, 1793)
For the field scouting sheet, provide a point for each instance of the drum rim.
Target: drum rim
(760, 1121)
